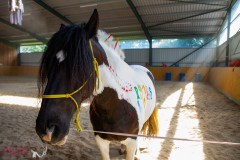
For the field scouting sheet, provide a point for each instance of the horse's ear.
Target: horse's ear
(62, 26)
(92, 25)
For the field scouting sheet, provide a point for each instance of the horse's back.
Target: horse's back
(144, 69)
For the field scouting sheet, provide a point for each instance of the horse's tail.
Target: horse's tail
(150, 127)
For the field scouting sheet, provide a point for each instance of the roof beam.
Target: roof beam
(181, 13)
(179, 32)
(139, 18)
(53, 11)
(210, 11)
(13, 45)
(194, 51)
(39, 38)
(182, 36)
(198, 2)
(187, 27)
(174, 4)
(194, 20)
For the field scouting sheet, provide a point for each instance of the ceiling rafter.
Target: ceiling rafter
(183, 13)
(11, 44)
(210, 11)
(164, 36)
(190, 27)
(39, 38)
(170, 5)
(198, 2)
(180, 32)
(139, 18)
(191, 21)
(53, 11)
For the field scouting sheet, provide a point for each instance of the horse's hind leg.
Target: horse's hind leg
(131, 146)
(103, 145)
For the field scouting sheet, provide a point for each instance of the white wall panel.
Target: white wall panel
(30, 59)
(203, 57)
(137, 56)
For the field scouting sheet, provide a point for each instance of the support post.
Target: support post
(228, 36)
(217, 53)
(18, 56)
(150, 52)
(144, 28)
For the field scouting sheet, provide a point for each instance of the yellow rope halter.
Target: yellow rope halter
(70, 95)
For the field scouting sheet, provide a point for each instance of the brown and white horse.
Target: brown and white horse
(123, 96)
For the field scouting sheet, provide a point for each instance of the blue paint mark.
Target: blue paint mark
(139, 105)
(150, 91)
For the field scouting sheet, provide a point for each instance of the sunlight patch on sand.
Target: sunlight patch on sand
(188, 97)
(21, 101)
(26, 101)
(154, 146)
(172, 100)
(188, 127)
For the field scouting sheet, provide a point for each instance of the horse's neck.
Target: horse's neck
(115, 62)
(116, 73)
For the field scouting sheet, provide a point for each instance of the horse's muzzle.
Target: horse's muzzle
(47, 138)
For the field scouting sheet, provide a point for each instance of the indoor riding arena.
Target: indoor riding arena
(192, 48)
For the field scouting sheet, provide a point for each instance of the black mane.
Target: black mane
(78, 61)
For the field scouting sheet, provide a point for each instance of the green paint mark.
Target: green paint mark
(136, 90)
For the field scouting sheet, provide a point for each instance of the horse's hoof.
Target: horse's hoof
(122, 150)
(136, 158)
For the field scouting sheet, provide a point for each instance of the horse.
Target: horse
(79, 64)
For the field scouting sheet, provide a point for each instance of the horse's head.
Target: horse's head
(67, 65)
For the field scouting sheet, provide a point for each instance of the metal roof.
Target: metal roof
(126, 19)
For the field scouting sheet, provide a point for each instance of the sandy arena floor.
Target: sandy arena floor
(187, 110)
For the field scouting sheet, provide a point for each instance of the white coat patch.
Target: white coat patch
(60, 56)
(131, 83)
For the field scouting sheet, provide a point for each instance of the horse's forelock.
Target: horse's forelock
(78, 60)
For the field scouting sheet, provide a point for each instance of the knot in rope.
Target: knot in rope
(67, 95)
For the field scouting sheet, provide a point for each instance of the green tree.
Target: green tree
(33, 48)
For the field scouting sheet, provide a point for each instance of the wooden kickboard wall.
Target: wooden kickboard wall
(160, 72)
(227, 80)
(8, 55)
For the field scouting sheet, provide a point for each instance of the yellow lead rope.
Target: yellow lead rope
(67, 95)
(95, 64)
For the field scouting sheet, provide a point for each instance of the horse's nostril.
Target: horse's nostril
(49, 131)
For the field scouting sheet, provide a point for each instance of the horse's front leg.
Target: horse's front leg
(131, 147)
(103, 145)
